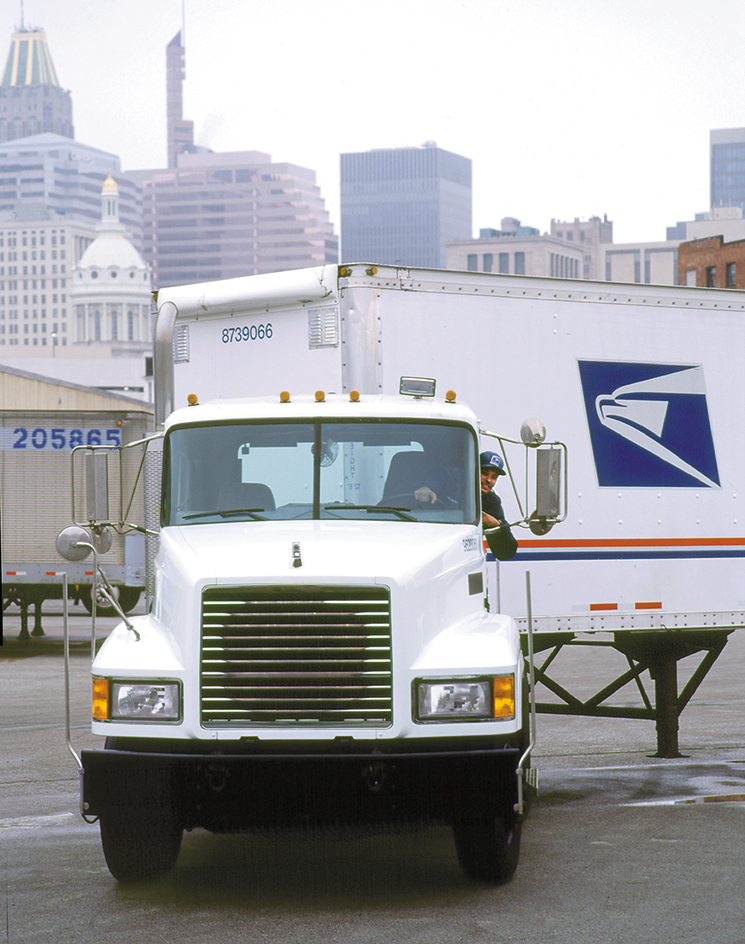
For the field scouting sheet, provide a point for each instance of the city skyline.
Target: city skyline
(566, 112)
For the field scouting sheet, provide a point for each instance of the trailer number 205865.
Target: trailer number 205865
(60, 438)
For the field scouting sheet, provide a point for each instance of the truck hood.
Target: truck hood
(313, 551)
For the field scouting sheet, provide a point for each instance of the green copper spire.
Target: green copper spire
(29, 62)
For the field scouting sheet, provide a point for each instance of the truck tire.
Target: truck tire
(488, 848)
(127, 597)
(139, 845)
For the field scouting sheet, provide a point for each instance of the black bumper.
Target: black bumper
(230, 791)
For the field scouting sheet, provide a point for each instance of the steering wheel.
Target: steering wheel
(412, 502)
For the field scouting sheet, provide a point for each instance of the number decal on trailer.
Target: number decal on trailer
(259, 332)
(41, 439)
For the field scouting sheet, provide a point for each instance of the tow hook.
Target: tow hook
(217, 777)
(375, 775)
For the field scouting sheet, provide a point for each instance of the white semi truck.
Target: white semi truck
(320, 645)
(324, 644)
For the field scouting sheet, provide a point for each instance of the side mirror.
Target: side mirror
(533, 432)
(548, 491)
(97, 485)
(73, 543)
(548, 472)
(69, 543)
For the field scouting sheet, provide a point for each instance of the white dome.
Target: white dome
(110, 249)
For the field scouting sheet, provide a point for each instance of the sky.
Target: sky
(567, 108)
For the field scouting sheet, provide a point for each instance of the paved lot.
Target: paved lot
(620, 846)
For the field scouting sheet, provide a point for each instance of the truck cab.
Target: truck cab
(321, 646)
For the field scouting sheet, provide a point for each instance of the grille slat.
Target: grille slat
(307, 656)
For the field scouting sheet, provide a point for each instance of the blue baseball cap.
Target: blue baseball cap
(492, 460)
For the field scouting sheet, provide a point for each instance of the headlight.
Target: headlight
(475, 699)
(139, 701)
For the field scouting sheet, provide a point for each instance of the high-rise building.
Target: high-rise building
(212, 216)
(51, 177)
(36, 261)
(180, 133)
(220, 216)
(727, 167)
(399, 206)
(31, 99)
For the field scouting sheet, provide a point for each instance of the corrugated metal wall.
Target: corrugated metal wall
(36, 478)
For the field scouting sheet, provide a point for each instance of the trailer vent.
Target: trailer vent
(296, 656)
(181, 344)
(323, 328)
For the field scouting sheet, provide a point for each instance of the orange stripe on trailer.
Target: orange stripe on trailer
(648, 606)
(635, 542)
(603, 606)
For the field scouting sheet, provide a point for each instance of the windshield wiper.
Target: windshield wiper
(228, 514)
(402, 513)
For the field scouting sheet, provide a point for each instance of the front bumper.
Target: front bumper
(231, 791)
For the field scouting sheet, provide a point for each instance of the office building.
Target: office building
(31, 99)
(658, 263)
(649, 263)
(712, 263)
(724, 221)
(179, 132)
(516, 250)
(36, 262)
(220, 216)
(587, 234)
(44, 173)
(399, 206)
(727, 167)
(210, 216)
(49, 176)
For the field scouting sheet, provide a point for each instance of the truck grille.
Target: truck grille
(296, 656)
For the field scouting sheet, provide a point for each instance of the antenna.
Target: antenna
(23, 28)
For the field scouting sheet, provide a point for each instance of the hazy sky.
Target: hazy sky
(566, 107)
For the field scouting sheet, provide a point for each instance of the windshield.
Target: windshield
(366, 470)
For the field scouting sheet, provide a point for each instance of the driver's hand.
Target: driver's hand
(425, 494)
(489, 521)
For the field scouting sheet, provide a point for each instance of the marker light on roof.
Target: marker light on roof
(450, 396)
(192, 399)
(417, 386)
(284, 397)
(320, 396)
(354, 395)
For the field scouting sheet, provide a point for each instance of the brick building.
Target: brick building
(712, 263)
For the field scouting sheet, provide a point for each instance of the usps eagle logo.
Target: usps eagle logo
(649, 425)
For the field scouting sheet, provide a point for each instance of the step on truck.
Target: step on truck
(324, 644)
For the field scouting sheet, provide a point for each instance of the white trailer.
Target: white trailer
(642, 382)
(36, 447)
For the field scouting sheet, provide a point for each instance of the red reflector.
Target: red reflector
(11, 573)
(88, 573)
(603, 606)
(648, 606)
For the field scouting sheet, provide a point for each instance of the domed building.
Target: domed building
(111, 286)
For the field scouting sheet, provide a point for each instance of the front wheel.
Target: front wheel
(488, 848)
(127, 598)
(139, 846)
